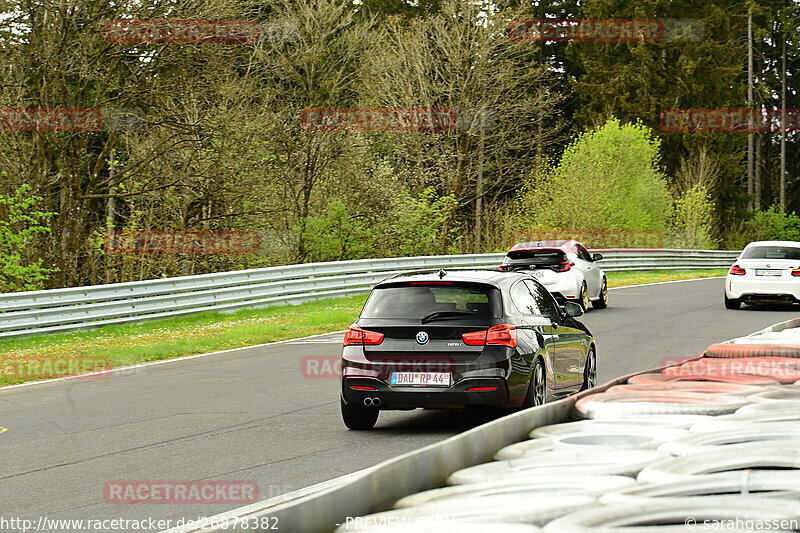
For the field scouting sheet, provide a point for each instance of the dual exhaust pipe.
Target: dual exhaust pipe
(372, 402)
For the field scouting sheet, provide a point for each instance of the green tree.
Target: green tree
(638, 80)
(59, 58)
(691, 221)
(773, 225)
(315, 69)
(20, 223)
(606, 179)
(406, 8)
(500, 90)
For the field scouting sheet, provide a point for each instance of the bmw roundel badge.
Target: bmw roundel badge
(422, 337)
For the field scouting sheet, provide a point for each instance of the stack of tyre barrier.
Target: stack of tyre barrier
(711, 443)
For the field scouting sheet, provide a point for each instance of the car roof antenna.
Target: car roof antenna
(442, 273)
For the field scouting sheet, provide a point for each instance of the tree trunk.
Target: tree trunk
(783, 127)
(479, 187)
(110, 205)
(758, 173)
(750, 106)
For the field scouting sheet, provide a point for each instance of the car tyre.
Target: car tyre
(732, 303)
(537, 387)
(358, 417)
(590, 370)
(602, 302)
(584, 297)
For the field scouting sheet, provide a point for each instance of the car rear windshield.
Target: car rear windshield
(772, 252)
(545, 257)
(417, 301)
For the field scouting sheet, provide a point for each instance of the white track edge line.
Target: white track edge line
(664, 282)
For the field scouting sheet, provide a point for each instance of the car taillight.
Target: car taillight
(563, 267)
(503, 334)
(736, 270)
(500, 334)
(474, 338)
(796, 272)
(356, 335)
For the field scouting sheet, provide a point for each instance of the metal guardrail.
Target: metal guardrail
(95, 306)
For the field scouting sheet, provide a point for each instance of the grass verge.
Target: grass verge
(46, 356)
(622, 279)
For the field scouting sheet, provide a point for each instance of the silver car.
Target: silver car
(565, 268)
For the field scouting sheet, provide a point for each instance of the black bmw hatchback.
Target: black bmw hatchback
(457, 339)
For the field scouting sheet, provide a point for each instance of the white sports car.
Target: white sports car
(565, 268)
(765, 271)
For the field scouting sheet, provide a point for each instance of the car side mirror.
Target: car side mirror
(573, 309)
(597, 257)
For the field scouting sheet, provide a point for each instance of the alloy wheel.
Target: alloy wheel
(591, 370)
(538, 384)
(584, 297)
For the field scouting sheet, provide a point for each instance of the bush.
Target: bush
(773, 225)
(606, 179)
(336, 235)
(19, 224)
(691, 222)
(405, 225)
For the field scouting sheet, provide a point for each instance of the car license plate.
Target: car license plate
(421, 379)
(768, 272)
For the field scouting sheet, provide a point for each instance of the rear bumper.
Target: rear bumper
(455, 396)
(762, 290)
(784, 298)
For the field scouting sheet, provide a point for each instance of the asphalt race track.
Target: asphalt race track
(254, 414)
